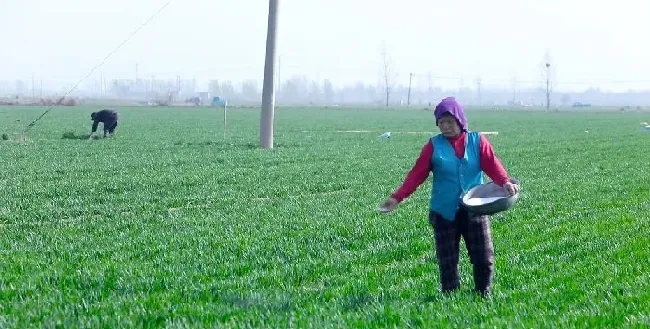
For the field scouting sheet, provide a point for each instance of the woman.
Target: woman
(457, 158)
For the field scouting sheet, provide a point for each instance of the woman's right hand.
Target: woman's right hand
(388, 205)
(511, 188)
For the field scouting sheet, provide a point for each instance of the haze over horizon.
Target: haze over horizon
(592, 44)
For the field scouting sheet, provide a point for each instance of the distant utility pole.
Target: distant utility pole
(408, 98)
(268, 90)
(548, 68)
(548, 87)
(33, 91)
(41, 93)
(429, 81)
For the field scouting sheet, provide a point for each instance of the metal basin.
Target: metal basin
(488, 199)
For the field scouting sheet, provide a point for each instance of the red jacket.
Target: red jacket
(490, 164)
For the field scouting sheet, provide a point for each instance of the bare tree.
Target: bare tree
(479, 81)
(514, 89)
(328, 91)
(250, 91)
(214, 87)
(388, 74)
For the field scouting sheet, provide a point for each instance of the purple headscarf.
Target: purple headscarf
(450, 105)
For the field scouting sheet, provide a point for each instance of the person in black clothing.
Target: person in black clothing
(108, 118)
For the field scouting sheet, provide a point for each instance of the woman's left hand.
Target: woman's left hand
(511, 188)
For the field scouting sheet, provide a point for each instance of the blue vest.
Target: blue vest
(453, 177)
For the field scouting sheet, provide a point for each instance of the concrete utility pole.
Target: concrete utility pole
(268, 91)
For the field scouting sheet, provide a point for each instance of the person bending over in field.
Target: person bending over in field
(108, 118)
(457, 158)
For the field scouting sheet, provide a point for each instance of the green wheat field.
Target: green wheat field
(171, 224)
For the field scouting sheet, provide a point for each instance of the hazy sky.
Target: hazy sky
(589, 41)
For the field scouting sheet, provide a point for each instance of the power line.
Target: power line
(49, 108)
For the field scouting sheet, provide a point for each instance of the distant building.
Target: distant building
(203, 95)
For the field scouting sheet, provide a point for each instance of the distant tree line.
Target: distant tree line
(299, 90)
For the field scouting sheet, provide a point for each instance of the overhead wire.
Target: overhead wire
(50, 107)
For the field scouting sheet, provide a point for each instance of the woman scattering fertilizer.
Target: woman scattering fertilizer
(457, 158)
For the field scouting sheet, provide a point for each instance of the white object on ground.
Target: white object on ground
(481, 201)
(386, 134)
